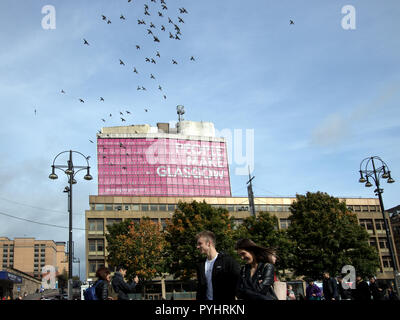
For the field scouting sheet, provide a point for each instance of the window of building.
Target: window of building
(364, 208)
(153, 207)
(118, 207)
(230, 208)
(94, 265)
(171, 207)
(372, 208)
(383, 244)
(379, 224)
(127, 207)
(387, 262)
(285, 223)
(350, 208)
(367, 224)
(271, 208)
(112, 221)
(357, 208)
(162, 207)
(109, 207)
(99, 207)
(96, 225)
(96, 245)
(373, 242)
(136, 207)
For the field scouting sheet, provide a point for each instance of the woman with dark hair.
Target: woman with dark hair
(257, 275)
(103, 275)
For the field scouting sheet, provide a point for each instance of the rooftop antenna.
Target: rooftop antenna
(180, 110)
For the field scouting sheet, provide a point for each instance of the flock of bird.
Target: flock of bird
(167, 28)
(170, 28)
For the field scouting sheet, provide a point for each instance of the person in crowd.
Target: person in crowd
(257, 275)
(376, 291)
(102, 284)
(313, 292)
(361, 292)
(344, 294)
(218, 274)
(290, 293)
(329, 287)
(391, 295)
(120, 286)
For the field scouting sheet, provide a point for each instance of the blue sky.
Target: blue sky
(319, 98)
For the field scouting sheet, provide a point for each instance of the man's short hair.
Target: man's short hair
(210, 236)
(121, 266)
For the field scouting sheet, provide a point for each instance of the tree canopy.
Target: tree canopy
(327, 236)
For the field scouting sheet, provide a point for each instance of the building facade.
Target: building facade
(14, 283)
(29, 255)
(395, 222)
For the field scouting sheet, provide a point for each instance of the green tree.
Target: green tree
(263, 230)
(139, 246)
(327, 236)
(188, 220)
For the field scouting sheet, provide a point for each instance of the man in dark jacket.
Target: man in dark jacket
(344, 294)
(361, 292)
(376, 292)
(329, 287)
(218, 275)
(120, 286)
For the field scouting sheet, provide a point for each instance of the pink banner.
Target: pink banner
(162, 167)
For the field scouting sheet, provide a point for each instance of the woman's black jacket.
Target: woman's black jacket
(258, 287)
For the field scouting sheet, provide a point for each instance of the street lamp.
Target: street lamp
(376, 174)
(69, 170)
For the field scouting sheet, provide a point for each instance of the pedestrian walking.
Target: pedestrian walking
(361, 292)
(313, 292)
(102, 284)
(344, 294)
(257, 275)
(329, 287)
(120, 286)
(218, 274)
(376, 291)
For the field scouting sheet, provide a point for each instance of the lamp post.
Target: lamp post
(69, 170)
(382, 171)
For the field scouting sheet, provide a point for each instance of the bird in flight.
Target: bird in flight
(121, 113)
(162, 28)
(146, 13)
(121, 62)
(165, 97)
(152, 77)
(110, 115)
(156, 39)
(103, 120)
(143, 88)
(177, 38)
(134, 70)
(146, 110)
(62, 91)
(81, 100)
(181, 20)
(146, 7)
(141, 22)
(138, 47)
(291, 22)
(122, 17)
(160, 14)
(153, 61)
(174, 62)
(152, 25)
(149, 31)
(192, 59)
(109, 22)
(159, 88)
(128, 112)
(138, 88)
(164, 7)
(35, 112)
(169, 20)
(171, 35)
(158, 54)
(182, 10)
(147, 60)
(90, 142)
(104, 17)
(101, 99)
(85, 42)
(123, 120)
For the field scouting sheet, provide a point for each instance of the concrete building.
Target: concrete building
(29, 255)
(146, 171)
(14, 283)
